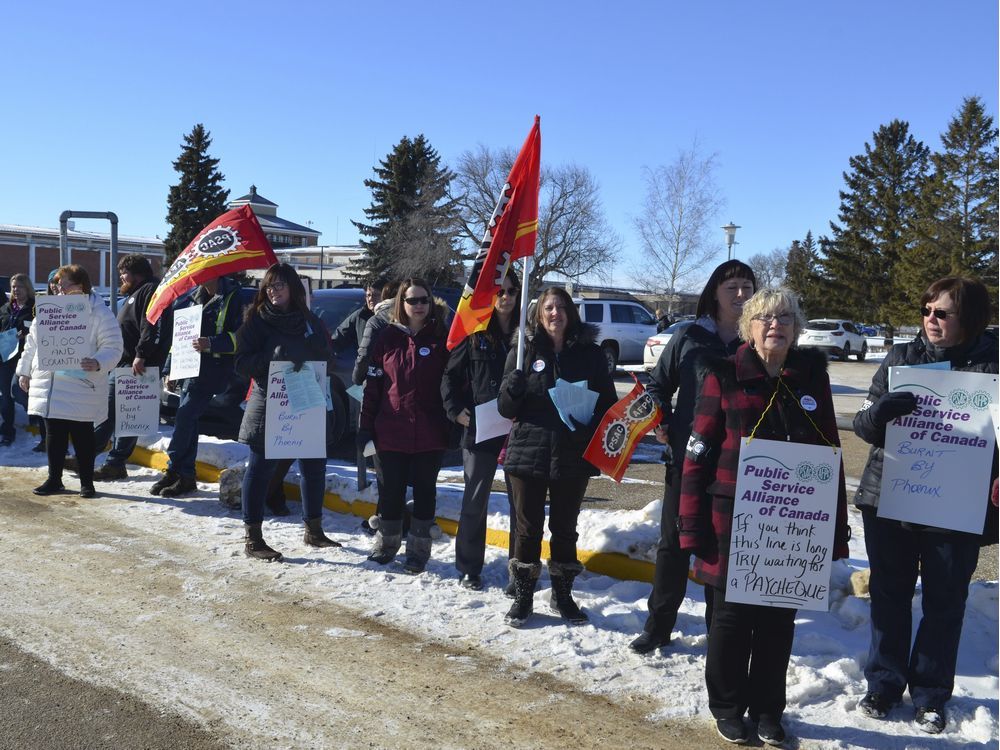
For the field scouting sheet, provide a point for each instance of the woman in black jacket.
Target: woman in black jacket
(15, 319)
(472, 377)
(278, 327)
(955, 312)
(714, 332)
(544, 457)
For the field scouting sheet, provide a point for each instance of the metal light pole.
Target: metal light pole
(730, 230)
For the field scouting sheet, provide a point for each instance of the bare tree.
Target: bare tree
(769, 268)
(675, 225)
(574, 237)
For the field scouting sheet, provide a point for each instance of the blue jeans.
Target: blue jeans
(196, 394)
(312, 486)
(122, 447)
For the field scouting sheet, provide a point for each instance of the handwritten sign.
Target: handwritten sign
(936, 463)
(291, 433)
(63, 331)
(784, 513)
(185, 362)
(137, 402)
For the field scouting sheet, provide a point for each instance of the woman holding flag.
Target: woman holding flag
(544, 455)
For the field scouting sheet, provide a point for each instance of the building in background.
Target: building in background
(281, 233)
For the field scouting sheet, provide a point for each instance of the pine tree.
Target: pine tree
(411, 224)
(801, 277)
(198, 197)
(877, 213)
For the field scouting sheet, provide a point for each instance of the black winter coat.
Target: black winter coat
(978, 356)
(140, 338)
(540, 444)
(472, 377)
(11, 320)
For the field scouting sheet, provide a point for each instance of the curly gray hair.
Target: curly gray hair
(772, 302)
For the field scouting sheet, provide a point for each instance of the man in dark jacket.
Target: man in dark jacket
(141, 350)
(220, 318)
(351, 330)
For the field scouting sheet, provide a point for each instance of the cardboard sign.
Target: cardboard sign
(63, 331)
(784, 515)
(185, 362)
(137, 402)
(937, 460)
(291, 432)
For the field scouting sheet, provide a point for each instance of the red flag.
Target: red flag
(510, 235)
(233, 242)
(623, 426)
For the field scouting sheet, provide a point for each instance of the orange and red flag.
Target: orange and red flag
(510, 235)
(233, 242)
(623, 426)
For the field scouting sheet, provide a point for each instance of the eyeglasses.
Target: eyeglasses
(783, 319)
(939, 314)
(416, 300)
(276, 286)
(506, 292)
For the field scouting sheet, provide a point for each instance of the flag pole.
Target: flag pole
(523, 315)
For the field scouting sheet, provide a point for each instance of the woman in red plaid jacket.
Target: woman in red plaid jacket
(749, 645)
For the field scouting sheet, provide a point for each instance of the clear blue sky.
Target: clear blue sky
(302, 98)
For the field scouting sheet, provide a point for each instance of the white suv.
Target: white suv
(840, 337)
(624, 327)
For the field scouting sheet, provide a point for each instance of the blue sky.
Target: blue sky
(302, 98)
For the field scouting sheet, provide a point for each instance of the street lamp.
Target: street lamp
(730, 230)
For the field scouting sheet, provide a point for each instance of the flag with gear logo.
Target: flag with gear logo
(622, 427)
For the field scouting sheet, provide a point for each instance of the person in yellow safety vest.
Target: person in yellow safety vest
(220, 319)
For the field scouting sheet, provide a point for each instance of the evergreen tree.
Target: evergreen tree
(198, 197)
(877, 213)
(411, 224)
(800, 275)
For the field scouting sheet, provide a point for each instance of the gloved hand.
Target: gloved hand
(517, 383)
(297, 364)
(362, 438)
(316, 345)
(581, 430)
(892, 405)
(279, 353)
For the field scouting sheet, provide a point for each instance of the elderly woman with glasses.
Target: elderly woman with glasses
(403, 414)
(776, 392)
(954, 312)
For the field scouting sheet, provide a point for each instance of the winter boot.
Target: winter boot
(169, 477)
(256, 547)
(418, 545)
(182, 486)
(525, 578)
(387, 540)
(110, 472)
(314, 535)
(562, 575)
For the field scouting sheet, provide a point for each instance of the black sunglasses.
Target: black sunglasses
(939, 314)
(416, 300)
(504, 293)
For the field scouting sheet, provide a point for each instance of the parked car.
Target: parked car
(624, 327)
(655, 344)
(837, 337)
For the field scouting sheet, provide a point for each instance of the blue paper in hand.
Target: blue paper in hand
(8, 344)
(573, 399)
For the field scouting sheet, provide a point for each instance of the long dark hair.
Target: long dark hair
(731, 269)
(493, 327)
(572, 314)
(296, 291)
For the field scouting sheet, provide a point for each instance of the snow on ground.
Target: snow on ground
(825, 679)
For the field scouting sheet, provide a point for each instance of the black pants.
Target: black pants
(470, 542)
(421, 469)
(670, 577)
(748, 651)
(58, 434)
(565, 498)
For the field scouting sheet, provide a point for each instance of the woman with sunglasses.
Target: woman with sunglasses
(471, 378)
(954, 314)
(279, 327)
(403, 414)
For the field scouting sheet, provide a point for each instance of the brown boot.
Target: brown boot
(256, 547)
(314, 535)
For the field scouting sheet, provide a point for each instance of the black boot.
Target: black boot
(525, 577)
(314, 535)
(256, 547)
(169, 478)
(562, 576)
(182, 486)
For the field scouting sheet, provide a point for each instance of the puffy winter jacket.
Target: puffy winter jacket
(75, 395)
(402, 403)
(978, 356)
(540, 444)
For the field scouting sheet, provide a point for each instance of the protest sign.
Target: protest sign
(63, 331)
(784, 513)
(137, 402)
(185, 361)
(489, 423)
(290, 432)
(936, 462)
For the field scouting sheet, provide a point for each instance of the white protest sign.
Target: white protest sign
(137, 402)
(185, 362)
(785, 510)
(63, 331)
(937, 460)
(289, 433)
(489, 423)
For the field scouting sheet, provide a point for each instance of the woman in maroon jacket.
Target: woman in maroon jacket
(778, 393)
(403, 413)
